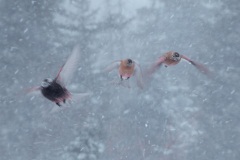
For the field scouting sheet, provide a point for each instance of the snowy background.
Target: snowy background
(181, 114)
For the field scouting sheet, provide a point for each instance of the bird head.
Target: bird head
(129, 62)
(176, 56)
(46, 82)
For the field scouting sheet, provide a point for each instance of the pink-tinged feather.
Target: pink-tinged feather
(58, 75)
(156, 65)
(33, 89)
(30, 91)
(199, 66)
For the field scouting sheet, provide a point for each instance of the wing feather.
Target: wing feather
(112, 66)
(199, 66)
(66, 72)
(156, 65)
(139, 76)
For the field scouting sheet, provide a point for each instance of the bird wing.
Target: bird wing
(33, 89)
(65, 73)
(156, 65)
(112, 66)
(199, 66)
(138, 75)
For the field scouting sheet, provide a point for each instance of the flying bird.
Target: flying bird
(127, 68)
(55, 89)
(172, 58)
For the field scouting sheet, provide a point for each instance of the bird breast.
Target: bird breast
(126, 71)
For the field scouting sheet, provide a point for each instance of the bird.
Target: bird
(55, 89)
(172, 58)
(127, 68)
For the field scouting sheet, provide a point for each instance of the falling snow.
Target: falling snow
(180, 113)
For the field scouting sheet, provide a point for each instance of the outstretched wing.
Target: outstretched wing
(199, 66)
(65, 73)
(29, 91)
(112, 66)
(156, 65)
(138, 75)
(33, 89)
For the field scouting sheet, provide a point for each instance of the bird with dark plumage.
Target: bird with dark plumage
(172, 58)
(55, 89)
(126, 69)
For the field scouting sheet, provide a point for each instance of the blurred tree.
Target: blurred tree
(28, 33)
(221, 37)
(87, 145)
(24, 24)
(27, 37)
(112, 38)
(77, 24)
(76, 21)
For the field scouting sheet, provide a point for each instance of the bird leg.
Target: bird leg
(57, 103)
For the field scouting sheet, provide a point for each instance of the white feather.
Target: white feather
(112, 66)
(66, 73)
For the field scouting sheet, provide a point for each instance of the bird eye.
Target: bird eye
(176, 54)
